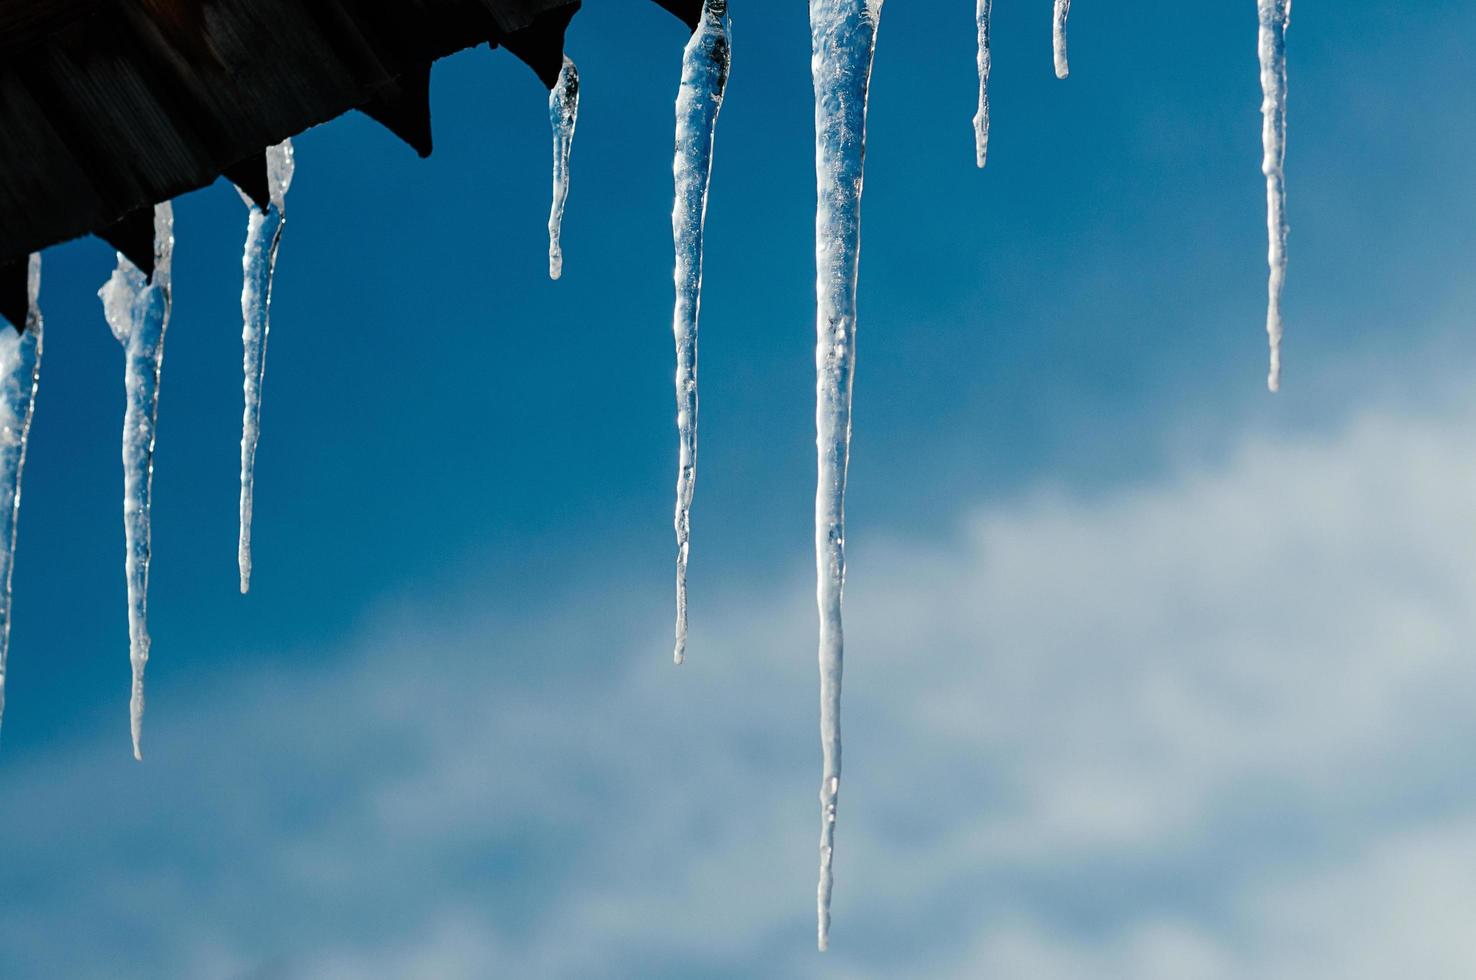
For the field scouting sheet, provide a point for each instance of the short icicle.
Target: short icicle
(563, 113)
(1274, 16)
(258, 266)
(981, 117)
(137, 310)
(1058, 37)
(843, 42)
(20, 373)
(705, 65)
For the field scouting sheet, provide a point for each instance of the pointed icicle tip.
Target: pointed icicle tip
(705, 64)
(563, 115)
(1274, 16)
(403, 108)
(842, 45)
(137, 311)
(981, 115)
(258, 267)
(20, 376)
(1058, 37)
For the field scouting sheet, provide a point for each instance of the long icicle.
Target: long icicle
(843, 42)
(137, 310)
(981, 117)
(1058, 37)
(563, 113)
(705, 64)
(1274, 16)
(20, 374)
(258, 267)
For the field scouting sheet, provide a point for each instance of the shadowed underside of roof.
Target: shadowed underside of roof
(111, 106)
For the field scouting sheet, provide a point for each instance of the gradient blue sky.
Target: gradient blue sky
(1151, 674)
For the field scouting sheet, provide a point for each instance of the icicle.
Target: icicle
(981, 118)
(137, 310)
(704, 77)
(1274, 16)
(20, 373)
(563, 113)
(843, 41)
(1058, 37)
(258, 265)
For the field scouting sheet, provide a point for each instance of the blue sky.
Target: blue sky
(1151, 674)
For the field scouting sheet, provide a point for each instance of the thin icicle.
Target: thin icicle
(1274, 16)
(563, 113)
(705, 65)
(1058, 37)
(981, 118)
(843, 42)
(258, 266)
(137, 310)
(20, 373)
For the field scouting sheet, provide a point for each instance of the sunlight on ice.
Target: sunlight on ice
(563, 113)
(705, 64)
(1274, 16)
(843, 42)
(20, 375)
(137, 310)
(258, 267)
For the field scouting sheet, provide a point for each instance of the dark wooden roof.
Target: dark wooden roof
(110, 106)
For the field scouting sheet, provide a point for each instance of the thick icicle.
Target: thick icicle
(258, 265)
(981, 118)
(563, 113)
(1274, 16)
(1058, 37)
(704, 77)
(20, 372)
(843, 41)
(137, 310)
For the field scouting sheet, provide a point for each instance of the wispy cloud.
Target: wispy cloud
(1215, 725)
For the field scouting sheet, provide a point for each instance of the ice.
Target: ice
(705, 65)
(258, 266)
(20, 373)
(137, 310)
(1274, 16)
(981, 117)
(563, 113)
(843, 41)
(1058, 37)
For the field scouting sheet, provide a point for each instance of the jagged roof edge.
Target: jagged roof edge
(110, 106)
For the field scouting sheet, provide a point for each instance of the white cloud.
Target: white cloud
(1212, 726)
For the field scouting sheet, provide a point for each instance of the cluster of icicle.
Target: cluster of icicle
(843, 44)
(1274, 15)
(137, 308)
(843, 38)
